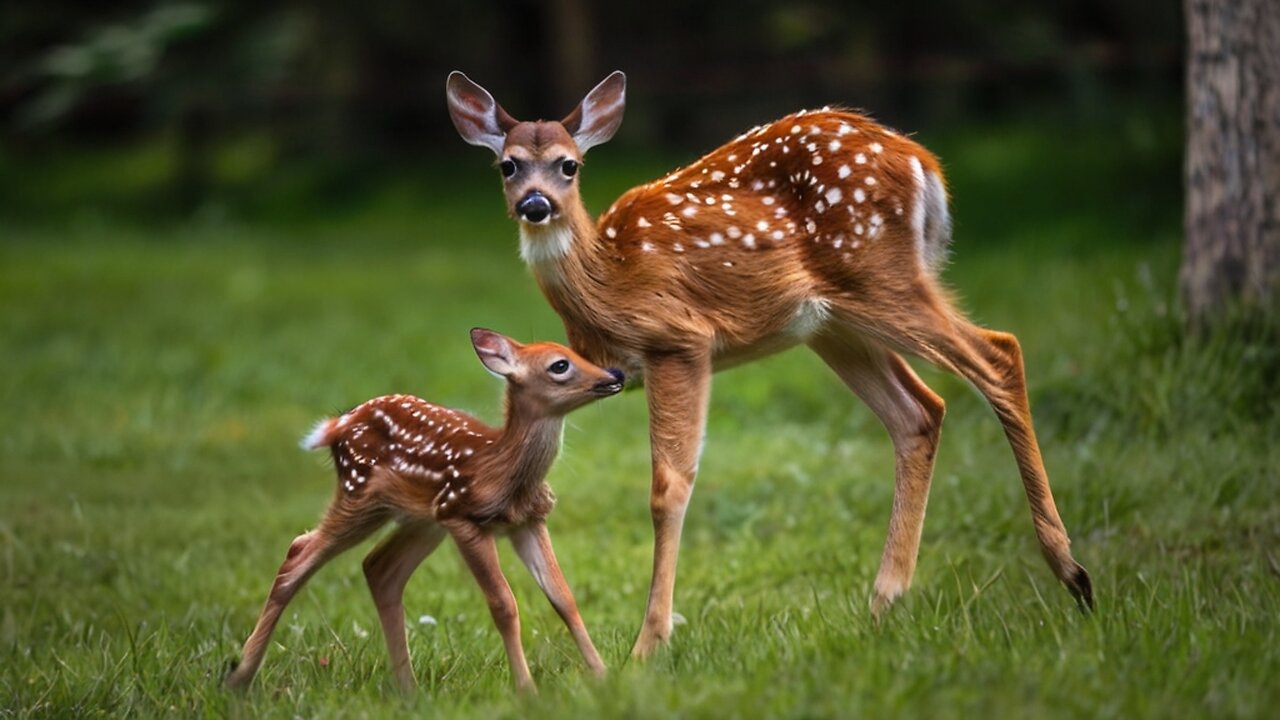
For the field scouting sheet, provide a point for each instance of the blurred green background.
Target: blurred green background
(220, 221)
(246, 109)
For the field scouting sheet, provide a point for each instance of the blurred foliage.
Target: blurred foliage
(113, 54)
(216, 89)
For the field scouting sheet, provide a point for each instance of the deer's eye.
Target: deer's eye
(508, 168)
(569, 168)
(559, 367)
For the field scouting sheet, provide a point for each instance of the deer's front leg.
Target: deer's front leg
(678, 386)
(533, 545)
(481, 555)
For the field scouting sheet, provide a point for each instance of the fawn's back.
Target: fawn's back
(421, 451)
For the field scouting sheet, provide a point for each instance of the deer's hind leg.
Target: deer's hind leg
(912, 414)
(919, 320)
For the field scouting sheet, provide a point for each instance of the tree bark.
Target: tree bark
(1232, 251)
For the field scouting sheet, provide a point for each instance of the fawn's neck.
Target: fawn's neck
(527, 445)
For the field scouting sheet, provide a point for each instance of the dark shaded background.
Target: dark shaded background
(229, 95)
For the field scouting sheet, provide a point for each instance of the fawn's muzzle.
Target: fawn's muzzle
(611, 388)
(534, 208)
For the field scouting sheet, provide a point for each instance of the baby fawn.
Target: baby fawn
(435, 471)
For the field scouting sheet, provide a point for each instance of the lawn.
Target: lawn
(157, 375)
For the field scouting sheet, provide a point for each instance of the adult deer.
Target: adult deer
(439, 472)
(823, 228)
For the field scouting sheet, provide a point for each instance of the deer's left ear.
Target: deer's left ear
(599, 115)
(496, 351)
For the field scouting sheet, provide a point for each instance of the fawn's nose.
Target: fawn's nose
(534, 208)
(610, 388)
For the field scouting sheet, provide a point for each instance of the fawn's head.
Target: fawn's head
(544, 377)
(539, 160)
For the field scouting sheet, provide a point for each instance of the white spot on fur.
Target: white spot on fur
(844, 172)
(834, 195)
(643, 223)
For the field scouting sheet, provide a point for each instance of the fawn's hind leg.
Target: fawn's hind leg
(387, 569)
(338, 531)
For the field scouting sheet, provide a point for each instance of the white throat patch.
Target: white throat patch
(541, 244)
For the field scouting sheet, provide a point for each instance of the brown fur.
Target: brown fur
(765, 243)
(436, 471)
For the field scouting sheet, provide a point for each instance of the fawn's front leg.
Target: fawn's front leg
(481, 554)
(533, 545)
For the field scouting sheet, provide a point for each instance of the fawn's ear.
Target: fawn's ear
(496, 351)
(599, 115)
(479, 118)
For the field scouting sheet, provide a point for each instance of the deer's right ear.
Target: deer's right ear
(496, 351)
(477, 116)
(599, 115)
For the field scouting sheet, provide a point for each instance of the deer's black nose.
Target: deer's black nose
(535, 207)
(617, 374)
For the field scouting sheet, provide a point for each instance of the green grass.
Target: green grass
(157, 376)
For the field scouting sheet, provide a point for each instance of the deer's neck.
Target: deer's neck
(560, 251)
(574, 268)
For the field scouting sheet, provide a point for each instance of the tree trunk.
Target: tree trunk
(1232, 251)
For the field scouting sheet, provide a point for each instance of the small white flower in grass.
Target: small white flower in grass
(678, 619)
(359, 631)
(427, 620)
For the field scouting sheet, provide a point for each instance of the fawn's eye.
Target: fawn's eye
(559, 367)
(508, 168)
(569, 168)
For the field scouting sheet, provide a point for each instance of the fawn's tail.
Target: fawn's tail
(322, 435)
